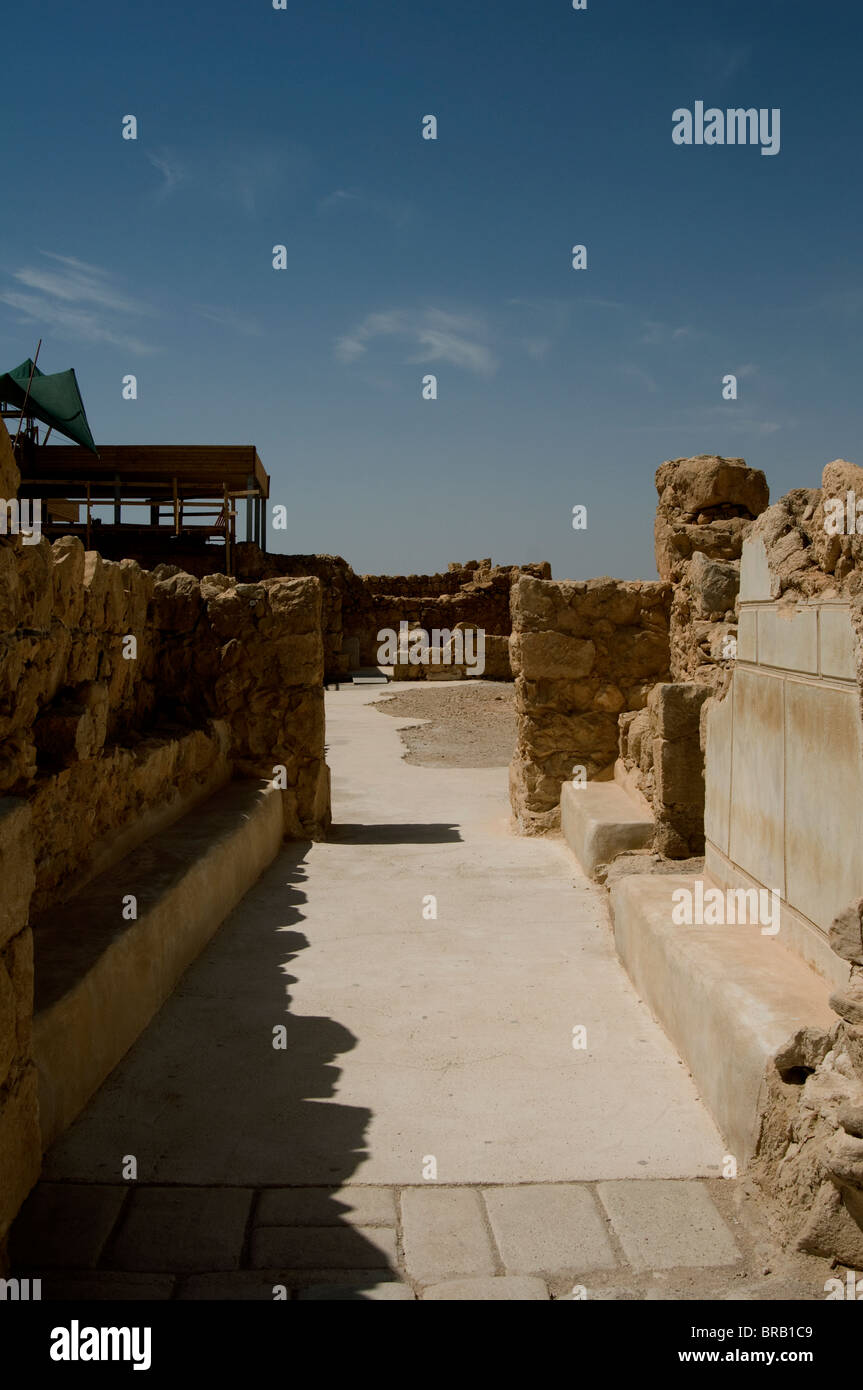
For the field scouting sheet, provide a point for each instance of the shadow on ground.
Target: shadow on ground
(406, 833)
(225, 1097)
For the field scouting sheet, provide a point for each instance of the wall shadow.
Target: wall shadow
(407, 833)
(204, 1100)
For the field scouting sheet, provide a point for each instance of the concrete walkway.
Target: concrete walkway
(421, 1055)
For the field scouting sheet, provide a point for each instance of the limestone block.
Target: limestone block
(838, 646)
(20, 1145)
(846, 933)
(714, 584)
(19, 965)
(675, 708)
(756, 840)
(8, 1015)
(830, 1230)
(177, 603)
(747, 635)
(10, 478)
(757, 581)
(17, 873)
(694, 484)
(10, 605)
(68, 580)
(36, 584)
(848, 1003)
(678, 773)
(788, 638)
(551, 655)
(75, 727)
(823, 799)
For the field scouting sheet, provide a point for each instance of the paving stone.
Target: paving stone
(444, 1234)
(182, 1228)
(65, 1225)
(108, 1286)
(548, 1228)
(323, 1247)
(239, 1286)
(344, 1293)
(664, 1225)
(326, 1206)
(521, 1290)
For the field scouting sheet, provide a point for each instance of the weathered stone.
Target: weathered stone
(548, 1228)
(182, 1228)
(666, 1224)
(551, 655)
(848, 1002)
(74, 728)
(17, 871)
(68, 579)
(829, 1229)
(851, 1119)
(846, 933)
(20, 1144)
(580, 652)
(8, 1011)
(10, 477)
(444, 1234)
(806, 1049)
(490, 1290)
(714, 584)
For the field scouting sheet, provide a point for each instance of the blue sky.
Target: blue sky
(405, 256)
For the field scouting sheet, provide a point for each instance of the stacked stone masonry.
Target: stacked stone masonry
(356, 608)
(126, 697)
(582, 653)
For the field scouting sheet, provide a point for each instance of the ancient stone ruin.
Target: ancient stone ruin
(694, 739)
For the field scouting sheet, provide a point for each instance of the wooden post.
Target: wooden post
(176, 511)
(227, 530)
(88, 516)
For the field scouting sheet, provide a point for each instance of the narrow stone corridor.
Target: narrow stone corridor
(350, 1096)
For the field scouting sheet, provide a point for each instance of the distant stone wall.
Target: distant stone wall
(582, 654)
(356, 608)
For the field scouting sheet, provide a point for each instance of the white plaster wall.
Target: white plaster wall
(784, 764)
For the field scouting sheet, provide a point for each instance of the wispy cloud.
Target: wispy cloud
(227, 318)
(432, 335)
(393, 210)
(241, 175)
(656, 333)
(79, 301)
(173, 174)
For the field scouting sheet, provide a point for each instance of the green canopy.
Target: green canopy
(54, 399)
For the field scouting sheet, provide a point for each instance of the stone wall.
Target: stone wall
(357, 607)
(125, 697)
(582, 654)
(222, 676)
(784, 762)
(707, 506)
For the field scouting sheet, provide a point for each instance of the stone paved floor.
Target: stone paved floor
(462, 1147)
(643, 1239)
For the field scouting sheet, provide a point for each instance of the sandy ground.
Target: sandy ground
(470, 723)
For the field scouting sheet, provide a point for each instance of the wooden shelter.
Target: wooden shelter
(190, 496)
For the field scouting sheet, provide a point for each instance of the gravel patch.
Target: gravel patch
(469, 725)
